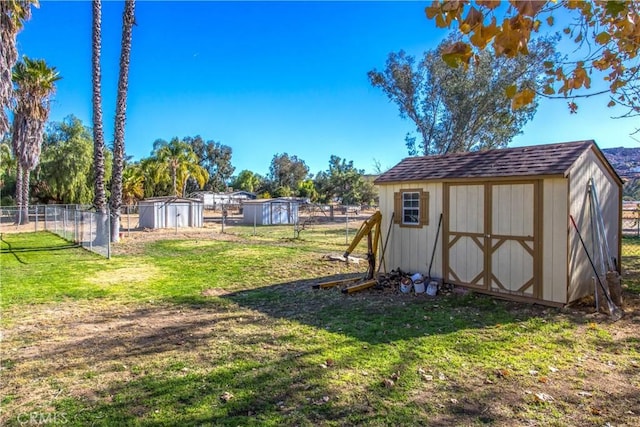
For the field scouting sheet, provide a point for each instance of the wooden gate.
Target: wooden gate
(490, 237)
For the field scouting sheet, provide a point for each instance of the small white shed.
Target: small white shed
(505, 218)
(170, 212)
(270, 211)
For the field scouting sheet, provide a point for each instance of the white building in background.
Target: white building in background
(281, 211)
(170, 212)
(216, 201)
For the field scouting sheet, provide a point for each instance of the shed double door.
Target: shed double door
(490, 237)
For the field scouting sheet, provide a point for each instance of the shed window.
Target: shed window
(411, 208)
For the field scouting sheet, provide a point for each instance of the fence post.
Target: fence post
(347, 226)
(91, 233)
(36, 218)
(108, 221)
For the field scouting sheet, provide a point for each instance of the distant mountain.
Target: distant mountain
(626, 162)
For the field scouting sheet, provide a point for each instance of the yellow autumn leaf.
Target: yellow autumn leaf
(433, 10)
(457, 53)
(522, 98)
(474, 17)
(603, 38)
(611, 103)
(550, 20)
(548, 90)
(489, 4)
(510, 91)
(528, 7)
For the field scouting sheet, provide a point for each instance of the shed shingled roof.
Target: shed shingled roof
(550, 159)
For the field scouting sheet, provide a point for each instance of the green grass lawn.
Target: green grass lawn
(228, 331)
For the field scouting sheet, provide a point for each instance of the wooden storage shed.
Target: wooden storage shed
(170, 212)
(270, 211)
(505, 225)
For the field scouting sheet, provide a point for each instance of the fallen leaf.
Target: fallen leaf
(585, 394)
(388, 383)
(552, 369)
(543, 380)
(543, 397)
(454, 401)
(533, 372)
(427, 377)
(226, 396)
(503, 373)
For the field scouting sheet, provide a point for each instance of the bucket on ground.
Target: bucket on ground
(405, 285)
(432, 288)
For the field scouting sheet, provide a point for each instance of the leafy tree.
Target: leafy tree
(65, 172)
(128, 19)
(343, 182)
(13, 14)
(132, 184)
(155, 180)
(307, 188)
(177, 159)
(215, 158)
(35, 84)
(285, 174)
(606, 35)
(247, 181)
(8, 165)
(460, 109)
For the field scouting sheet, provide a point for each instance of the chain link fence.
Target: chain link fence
(74, 223)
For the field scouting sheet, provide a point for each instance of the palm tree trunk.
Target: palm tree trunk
(128, 19)
(19, 192)
(99, 194)
(99, 199)
(174, 176)
(24, 209)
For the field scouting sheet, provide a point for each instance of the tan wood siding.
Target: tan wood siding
(589, 166)
(465, 234)
(410, 248)
(554, 240)
(512, 238)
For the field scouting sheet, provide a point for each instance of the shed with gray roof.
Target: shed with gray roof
(505, 226)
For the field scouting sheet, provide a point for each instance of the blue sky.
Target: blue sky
(266, 78)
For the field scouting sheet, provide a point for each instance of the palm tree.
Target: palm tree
(128, 19)
(35, 83)
(7, 162)
(179, 160)
(99, 197)
(132, 184)
(13, 13)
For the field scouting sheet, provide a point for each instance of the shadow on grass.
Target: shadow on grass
(383, 315)
(282, 352)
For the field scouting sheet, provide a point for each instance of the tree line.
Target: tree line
(474, 92)
(178, 167)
